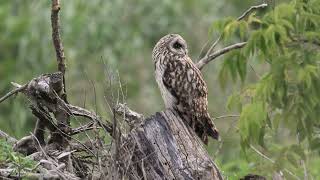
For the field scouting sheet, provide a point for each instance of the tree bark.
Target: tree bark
(169, 149)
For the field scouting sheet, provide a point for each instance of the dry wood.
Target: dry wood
(166, 148)
(57, 42)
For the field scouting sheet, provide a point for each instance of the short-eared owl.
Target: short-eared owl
(181, 85)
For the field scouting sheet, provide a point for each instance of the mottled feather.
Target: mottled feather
(182, 86)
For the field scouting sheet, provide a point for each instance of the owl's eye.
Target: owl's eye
(177, 45)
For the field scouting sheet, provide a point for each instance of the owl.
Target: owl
(182, 86)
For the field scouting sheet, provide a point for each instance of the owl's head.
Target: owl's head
(170, 45)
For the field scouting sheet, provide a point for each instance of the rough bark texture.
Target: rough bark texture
(168, 149)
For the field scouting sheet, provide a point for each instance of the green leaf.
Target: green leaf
(220, 25)
(230, 28)
(234, 101)
(251, 122)
(241, 63)
(299, 151)
(268, 120)
(315, 144)
(253, 19)
(243, 29)
(291, 158)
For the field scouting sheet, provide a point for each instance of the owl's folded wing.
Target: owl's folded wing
(184, 81)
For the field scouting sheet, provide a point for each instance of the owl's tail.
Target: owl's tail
(213, 131)
(210, 130)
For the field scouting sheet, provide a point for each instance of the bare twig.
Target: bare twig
(8, 138)
(205, 60)
(209, 55)
(83, 128)
(15, 91)
(39, 145)
(305, 170)
(78, 111)
(255, 72)
(55, 8)
(227, 132)
(213, 46)
(314, 41)
(250, 10)
(226, 116)
(272, 161)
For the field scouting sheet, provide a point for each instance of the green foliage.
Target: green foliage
(100, 36)
(10, 158)
(286, 40)
(236, 169)
(251, 123)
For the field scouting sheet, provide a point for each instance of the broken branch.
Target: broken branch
(131, 117)
(78, 111)
(57, 42)
(15, 91)
(250, 10)
(205, 60)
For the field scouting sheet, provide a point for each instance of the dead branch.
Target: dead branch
(131, 117)
(8, 138)
(13, 92)
(214, 55)
(78, 111)
(56, 35)
(272, 161)
(251, 9)
(55, 24)
(209, 56)
(43, 93)
(86, 127)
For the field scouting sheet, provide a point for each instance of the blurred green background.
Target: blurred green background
(111, 39)
(102, 38)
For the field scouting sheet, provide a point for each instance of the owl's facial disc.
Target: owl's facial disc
(178, 46)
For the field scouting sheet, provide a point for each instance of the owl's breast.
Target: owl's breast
(169, 100)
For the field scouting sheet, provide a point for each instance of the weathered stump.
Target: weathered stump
(168, 149)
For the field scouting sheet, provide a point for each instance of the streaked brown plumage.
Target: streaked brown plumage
(181, 85)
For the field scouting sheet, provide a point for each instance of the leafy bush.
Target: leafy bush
(9, 158)
(286, 97)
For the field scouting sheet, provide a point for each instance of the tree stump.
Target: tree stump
(168, 149)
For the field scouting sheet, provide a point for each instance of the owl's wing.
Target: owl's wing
(184, 81)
